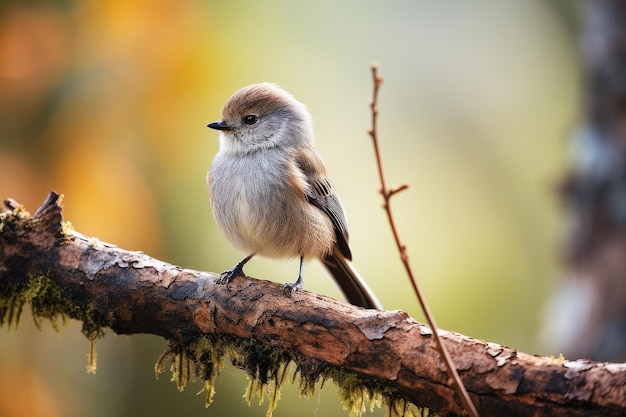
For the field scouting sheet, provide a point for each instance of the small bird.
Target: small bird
(270, 194)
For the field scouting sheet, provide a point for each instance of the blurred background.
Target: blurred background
(108, 102)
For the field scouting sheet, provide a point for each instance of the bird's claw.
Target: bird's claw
(290, 288)
(227, 276)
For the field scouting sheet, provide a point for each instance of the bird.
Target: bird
(269, 190)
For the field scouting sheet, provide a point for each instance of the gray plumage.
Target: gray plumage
(270, 194)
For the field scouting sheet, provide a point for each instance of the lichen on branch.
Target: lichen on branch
(375, 357)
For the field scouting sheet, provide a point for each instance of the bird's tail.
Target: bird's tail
(352, 285)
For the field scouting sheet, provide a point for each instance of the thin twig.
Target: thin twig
(387, 193)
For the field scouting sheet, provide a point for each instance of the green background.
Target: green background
(107, 103)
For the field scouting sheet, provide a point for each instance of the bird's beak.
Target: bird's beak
(221, 125)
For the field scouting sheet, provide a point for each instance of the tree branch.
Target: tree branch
(393, 358)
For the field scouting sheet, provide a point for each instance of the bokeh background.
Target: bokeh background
(107, 103)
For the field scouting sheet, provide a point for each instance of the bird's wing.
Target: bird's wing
(322, 195)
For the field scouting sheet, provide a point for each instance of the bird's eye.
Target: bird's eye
(250, 119)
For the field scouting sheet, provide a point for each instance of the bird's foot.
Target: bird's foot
(237, 271)
(227, 276)
(289, 288)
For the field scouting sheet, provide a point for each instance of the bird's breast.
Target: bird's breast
(260, 208)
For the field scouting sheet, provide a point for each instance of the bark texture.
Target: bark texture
(131, 292)
(593, 297)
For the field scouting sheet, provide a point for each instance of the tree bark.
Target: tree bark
(593, 296)
(131, 292)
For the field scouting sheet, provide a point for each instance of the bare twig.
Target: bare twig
(387, 193)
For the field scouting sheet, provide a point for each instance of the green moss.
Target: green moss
(269, 370)
(357, 394)
(47, 302)
(20, 212)
(11, 304)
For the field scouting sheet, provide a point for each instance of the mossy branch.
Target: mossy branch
(376, 357)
